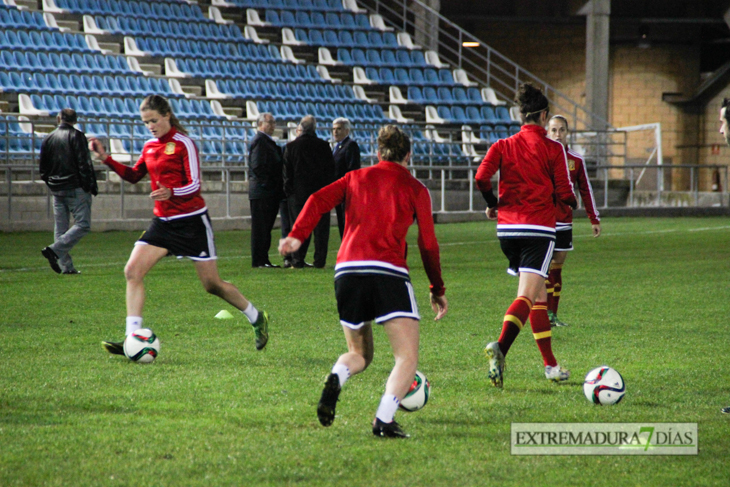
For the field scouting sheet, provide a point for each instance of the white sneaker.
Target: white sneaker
(496, 363)
(557, 373)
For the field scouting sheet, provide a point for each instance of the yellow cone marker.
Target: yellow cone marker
(224, 315)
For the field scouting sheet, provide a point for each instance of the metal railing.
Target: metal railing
(632, 189)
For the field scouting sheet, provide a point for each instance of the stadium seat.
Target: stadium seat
(446, 77)
(359, 58)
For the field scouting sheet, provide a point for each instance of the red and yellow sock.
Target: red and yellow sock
(554, 284)
(514, 320)
(541, 331)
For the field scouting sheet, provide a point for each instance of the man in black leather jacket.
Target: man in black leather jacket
(65, 166)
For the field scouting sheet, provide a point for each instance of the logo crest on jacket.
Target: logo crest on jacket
(571, 164)
(170, 148)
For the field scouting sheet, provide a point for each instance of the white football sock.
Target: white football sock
(342, 372)
(251, 313)
(134, 323)
(388, 407)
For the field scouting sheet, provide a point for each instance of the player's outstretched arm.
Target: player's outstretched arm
(289, 245)
(97, 148)
(439, 305)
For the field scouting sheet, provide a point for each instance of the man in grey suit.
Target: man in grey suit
(347, 158)
(265, 189)
(308, 167)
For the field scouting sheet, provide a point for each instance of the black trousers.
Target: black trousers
(341, 218)
(321, 237)
(263, 217)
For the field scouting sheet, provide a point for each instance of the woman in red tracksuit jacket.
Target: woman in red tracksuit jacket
(533, 171)
(181, 225)
(558, 131)
(371, 275)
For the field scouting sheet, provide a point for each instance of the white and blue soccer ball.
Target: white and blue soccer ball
(604, 385)
(142, 346)
(417, 395)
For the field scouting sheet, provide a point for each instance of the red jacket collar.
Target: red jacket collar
(534, 128)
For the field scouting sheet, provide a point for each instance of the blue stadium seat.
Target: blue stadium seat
(446, 77)
(346, 39)
(303, 19)
(361, 39)
(460, 97)
(416, 77)
(386, 76)
(287, 18)
(373, 57)
(430, 95)
(372, 74)
(331, 38)
(347, 20)
(445, 113)
(488, 116)
(431, 76)
(501, 131)
(315, 37)
(388, 58)
(272, 17)
(473, 115)
(362, 21)
(318, 20)
(404, 59)
(343, 56)
(475, 98)
(415, 95)
(333, 21)
(502, 114)
(376, 39)
(401, 77)
(444, 95)
(417, 59)
(359, 58)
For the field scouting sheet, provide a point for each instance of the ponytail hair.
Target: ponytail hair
(160, 104)
(532, 102)
(393, 143)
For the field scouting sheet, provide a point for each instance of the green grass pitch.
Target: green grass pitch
(649, 297)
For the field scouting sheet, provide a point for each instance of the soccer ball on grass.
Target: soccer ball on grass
(604, 386)
(142, 346)
(417, 395)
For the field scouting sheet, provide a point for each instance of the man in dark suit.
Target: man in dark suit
(308, 167)
(265, 189)
(347, 158)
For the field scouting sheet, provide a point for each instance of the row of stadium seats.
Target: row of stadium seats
(346, 38)
(308, 5)
(13, 18)
(63, 63)
(158, 10)
(323, 111)
(249, 71)
(381, 57)
(227, 51)
(93, 106)
(285, 91)
(470, 115)
(412, 76)
(317, 20)
(42, 41)
(429, 95)
(125, 129)
(96, 85)
(203, 30)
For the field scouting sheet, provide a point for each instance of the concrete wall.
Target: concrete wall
(555, 52)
